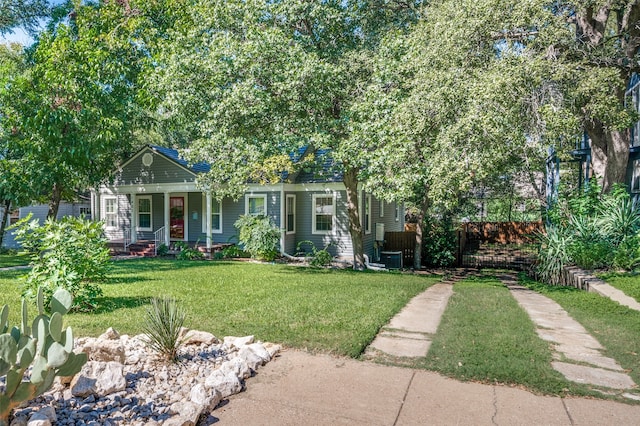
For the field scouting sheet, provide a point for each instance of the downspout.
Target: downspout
(283, 230)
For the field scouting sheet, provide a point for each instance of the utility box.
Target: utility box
(379, 231)
(391, 259)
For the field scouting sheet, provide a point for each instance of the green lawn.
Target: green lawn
(319, 310)
(628, 282)
(12, 259)
(485, 336)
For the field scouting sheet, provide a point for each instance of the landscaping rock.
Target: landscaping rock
(110, 334)
(194, 337)
(104, 350)
(147, 391)
(38, 419)
(226, 382)
(99, 378)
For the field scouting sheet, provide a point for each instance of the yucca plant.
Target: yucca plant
(553, 254)
(162, 327)
(619, 218)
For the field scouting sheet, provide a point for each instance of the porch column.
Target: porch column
(167, 223)
(208, 221)
(134, 219)
(95, 214)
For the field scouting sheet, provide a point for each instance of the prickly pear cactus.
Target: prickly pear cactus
(44, 346)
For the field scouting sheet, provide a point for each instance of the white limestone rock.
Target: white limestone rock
(104, 350)
(110, 334)
(188, 413)
(237, 366)
(195, 337)
(38, 419)
(50, 412)
(248, 355)
(226, 382)
(99, 378)
(238, 342)
(208, 398)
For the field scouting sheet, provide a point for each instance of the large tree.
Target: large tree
(253, 81)
(72, 113)
(22, 13)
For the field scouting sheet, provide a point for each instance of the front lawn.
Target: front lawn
(627, 282)
(485, 336)
(319, 310)
(11, 258)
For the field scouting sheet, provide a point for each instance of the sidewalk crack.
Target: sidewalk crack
(566, 410)
(495, 406)
(404, 398)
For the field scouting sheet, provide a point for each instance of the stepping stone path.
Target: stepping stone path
(578, 354)
(408, 334)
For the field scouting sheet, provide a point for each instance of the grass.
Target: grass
(485, 336)
(627, 282)
(616, 327)
(320, 310)
(11, 258)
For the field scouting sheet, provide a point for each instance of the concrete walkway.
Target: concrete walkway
(302, 389)
(578, 355)
(409, 333)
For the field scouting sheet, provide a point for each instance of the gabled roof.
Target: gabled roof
(174, 155)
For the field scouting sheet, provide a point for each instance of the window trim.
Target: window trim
(635, 176)
(397, 213)
(246, 203)
(315, 231)
(144, 197)
(204, 215)
(286, 214)
(366, 216)
(381, 208)
(106, 213)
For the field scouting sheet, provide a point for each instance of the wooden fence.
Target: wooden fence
(401, 241)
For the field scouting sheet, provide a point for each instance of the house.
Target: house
(154, 197)
(581, 155)
(39, 212)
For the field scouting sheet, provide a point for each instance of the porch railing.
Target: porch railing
(158, 236)
(127, 238)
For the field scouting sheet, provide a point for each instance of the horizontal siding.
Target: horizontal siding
(161, 170)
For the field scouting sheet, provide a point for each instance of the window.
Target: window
(290, 214)
(14, 216)
(111, 212)
(216, 216)
(86, 212)
(323, 214)
(635, 179)
(367, 214)
(256, 205)
(144, 214)
(381, 208)
(398, 212)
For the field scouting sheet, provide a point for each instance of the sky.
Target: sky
(19, 35)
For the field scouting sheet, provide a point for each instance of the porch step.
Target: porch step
(142, 248)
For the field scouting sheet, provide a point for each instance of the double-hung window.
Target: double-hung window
(216, 216)
(323, 214)
(144, 213)
(111, 212)
(290, 214)
(635, 178)
(256, 205)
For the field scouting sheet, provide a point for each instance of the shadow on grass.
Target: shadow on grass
(111, 304)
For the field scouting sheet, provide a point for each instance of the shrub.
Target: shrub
(319, 258)
(188, 253)
(162, 327)
(70, 253)
(163, 250)
(45, 349)
(259, 236)
(439, 241)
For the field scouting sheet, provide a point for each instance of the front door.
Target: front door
(176, 222)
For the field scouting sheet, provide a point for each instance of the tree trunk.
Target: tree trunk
(6, 204)
(609, 154)
(417, 253)
(54, 204)
(355, 227)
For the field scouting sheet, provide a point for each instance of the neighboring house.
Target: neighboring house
(582, 155)
(154, 197)
(39, 212)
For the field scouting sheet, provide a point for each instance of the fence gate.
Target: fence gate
(509, 245)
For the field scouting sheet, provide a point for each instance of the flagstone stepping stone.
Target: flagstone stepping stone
(580, 353)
